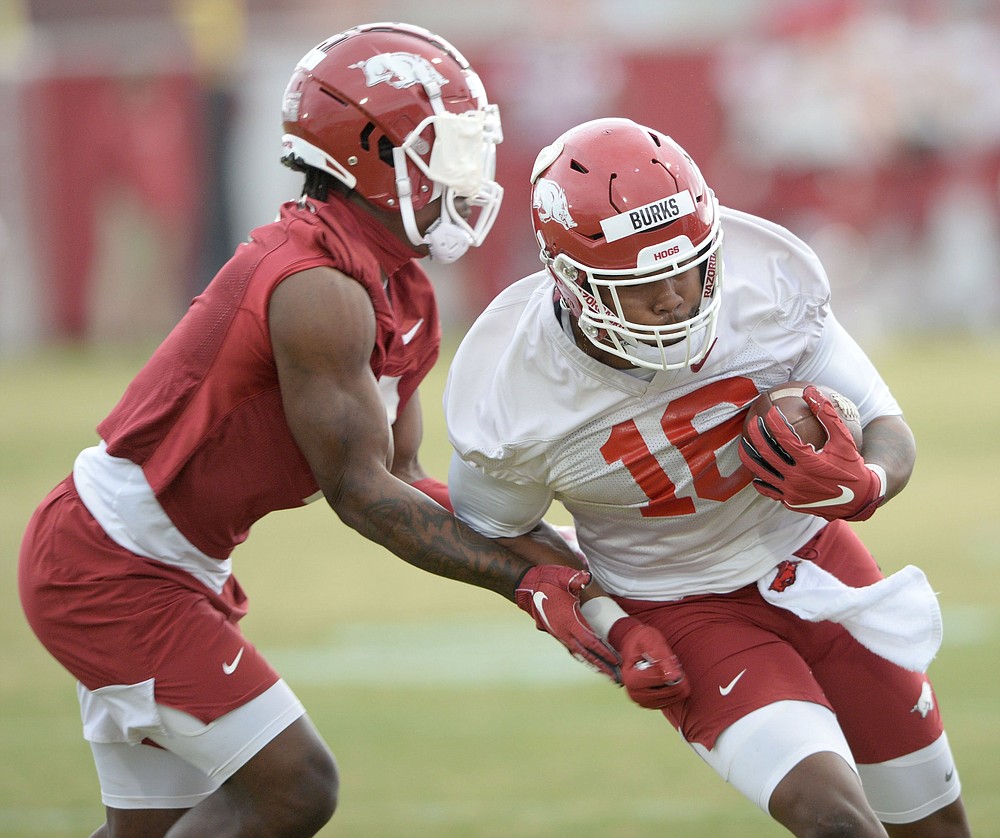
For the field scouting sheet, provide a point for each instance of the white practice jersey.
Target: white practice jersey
(648, 467)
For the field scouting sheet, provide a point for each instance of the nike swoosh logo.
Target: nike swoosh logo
(230, 668)
(697, 367)
(845, 496)
(412, 333)
(539, 600)
(949, 775)
(726, 690)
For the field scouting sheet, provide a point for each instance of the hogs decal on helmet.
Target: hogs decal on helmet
(616, 204)
(399, 69)
(396, 113)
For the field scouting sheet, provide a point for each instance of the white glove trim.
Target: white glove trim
(883, 478)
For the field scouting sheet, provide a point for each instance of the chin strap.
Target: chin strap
(446, 241)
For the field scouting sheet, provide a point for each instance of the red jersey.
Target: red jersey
(204, 417)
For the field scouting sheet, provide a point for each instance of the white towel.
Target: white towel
(897, 618)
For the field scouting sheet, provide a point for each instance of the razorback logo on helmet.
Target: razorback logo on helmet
(549, 199)
(785, 577)
(399, 69)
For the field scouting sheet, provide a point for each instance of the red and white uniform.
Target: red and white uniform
(649, 468)
(196, 451)
(647, 465)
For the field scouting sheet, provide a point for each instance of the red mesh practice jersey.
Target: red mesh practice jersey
(204, 418)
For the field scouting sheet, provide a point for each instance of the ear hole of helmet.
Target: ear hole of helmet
(366, 133)
(385, 148)
(385, 145)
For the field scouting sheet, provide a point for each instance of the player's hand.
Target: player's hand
(651, 673)
(832, 483)
(550, 593)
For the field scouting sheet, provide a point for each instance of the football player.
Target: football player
(292, 377)
(616, 380)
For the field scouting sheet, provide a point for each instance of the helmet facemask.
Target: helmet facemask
(617, 205)
(595, 300)
(462, 167)
(396, 114)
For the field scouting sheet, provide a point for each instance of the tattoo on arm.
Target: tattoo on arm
(428, 537)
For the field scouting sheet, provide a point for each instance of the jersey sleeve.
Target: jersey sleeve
(494, 507)
(780, 295)
(839, 362)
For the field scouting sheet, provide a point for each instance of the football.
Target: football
(788, 399)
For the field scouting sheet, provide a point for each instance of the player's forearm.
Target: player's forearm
(889, 443)
(543, 545)
(419, 531)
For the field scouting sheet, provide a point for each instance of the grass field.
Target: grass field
(449, 714)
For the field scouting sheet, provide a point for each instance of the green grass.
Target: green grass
(435, 740)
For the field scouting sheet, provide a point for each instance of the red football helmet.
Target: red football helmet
(397, 114)
(617, 204)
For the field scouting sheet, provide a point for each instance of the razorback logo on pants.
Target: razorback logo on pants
(785, 577)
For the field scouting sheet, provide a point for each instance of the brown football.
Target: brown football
(788, 399)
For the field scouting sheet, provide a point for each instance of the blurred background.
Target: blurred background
(140, 140)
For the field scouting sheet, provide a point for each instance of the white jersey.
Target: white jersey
(648, 466)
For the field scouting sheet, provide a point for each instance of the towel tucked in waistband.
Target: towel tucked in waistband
(897, 618)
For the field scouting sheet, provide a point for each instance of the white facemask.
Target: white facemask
(462, 166)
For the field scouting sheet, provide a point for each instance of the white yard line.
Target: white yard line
(467, 650)
(457, 650)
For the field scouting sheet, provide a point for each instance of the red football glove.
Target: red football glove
(551, 594)
(832, 483)
(651, 673)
